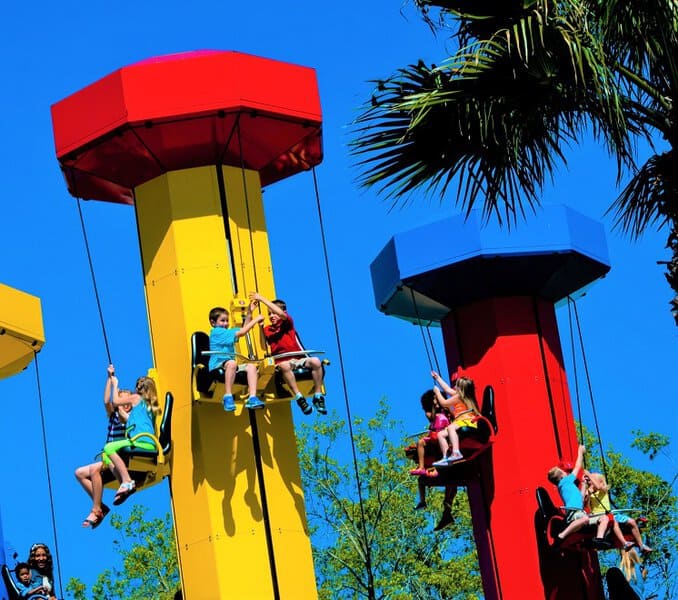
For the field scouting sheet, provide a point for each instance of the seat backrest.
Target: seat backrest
(546, 506)
(488, 407)
(165, 433)
(200, 342)
(10, 584)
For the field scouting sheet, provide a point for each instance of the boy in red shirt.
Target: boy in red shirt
(282, 338)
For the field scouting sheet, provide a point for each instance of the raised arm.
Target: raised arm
(274, 308)
(443, 384)
(249, 323)
(580, 460)
(107, 391)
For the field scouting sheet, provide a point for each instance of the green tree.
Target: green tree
(149, 562)
(529, 79)
(387, 536)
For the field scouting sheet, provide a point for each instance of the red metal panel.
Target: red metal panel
(512, 344)
(188, 110)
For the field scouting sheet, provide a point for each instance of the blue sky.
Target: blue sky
(51, 52)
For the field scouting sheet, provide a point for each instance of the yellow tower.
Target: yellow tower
(189, 140)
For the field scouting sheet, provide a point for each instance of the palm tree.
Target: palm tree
(530, 78)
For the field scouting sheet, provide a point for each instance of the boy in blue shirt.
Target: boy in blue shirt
(222, 340)
(571, 495)
(29, 588)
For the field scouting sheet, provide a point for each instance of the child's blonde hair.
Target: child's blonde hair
(146, 389)
(629, 560)
(467, 392)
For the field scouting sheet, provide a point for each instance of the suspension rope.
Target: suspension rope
(49, 478)
(433, 348)
(368, 552)
(590, 389)
(570, 302)
(94, 282)
(247, 204)
(423, 337)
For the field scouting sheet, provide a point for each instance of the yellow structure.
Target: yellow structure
(21, 332)
(236, 487)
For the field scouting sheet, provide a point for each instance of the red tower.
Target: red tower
(493, 292)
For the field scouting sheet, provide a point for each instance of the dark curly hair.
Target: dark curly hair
(49, 566)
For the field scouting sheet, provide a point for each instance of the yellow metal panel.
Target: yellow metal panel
(221, 538)
(21, 332)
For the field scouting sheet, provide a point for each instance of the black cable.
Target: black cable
(368, 553)
(49, 478)
(247, 206)
(94, 282)
(433, 349)
(570, 302)
(588, 382)
(421, 329)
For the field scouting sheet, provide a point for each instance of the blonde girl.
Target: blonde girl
(462, 404)
(141, 420)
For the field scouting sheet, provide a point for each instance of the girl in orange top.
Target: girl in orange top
(461, 402)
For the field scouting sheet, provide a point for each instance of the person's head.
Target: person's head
(145, 387)
(123, 394)
(219, 317)
(555, 474)
(23, 573)
(40, 559)
(428, 401)
(282, 306)
(467, 391)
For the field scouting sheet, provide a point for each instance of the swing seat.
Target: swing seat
(147, 467)
(555, 520)
(472, 442)
(204, 380)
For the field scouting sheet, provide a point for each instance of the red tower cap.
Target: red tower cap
(187, 110)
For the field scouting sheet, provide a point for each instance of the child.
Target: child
(599, 499)
(461, 402)
(573, 499)
(26, 590)
(89, 476)
(222, 340)
(438, 421)
(282, 337)
(42, 570)
(141, 420)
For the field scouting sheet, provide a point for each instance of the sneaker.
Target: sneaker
(319, 403)
(454, 457)
(305, 407)
(253, 403)
(443, 462)
(229, 403)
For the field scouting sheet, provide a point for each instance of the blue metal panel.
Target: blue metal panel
(456, 261)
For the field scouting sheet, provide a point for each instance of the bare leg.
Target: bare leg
(603, 523)
(316, 373)
(422, 495)
(288, 377)
(619, 535)
(229, 376)
(251, 369)
(442, 442)
(82, 474)
(576, 525)
(120, 467)
(454, 438)
(446, 517)
(421, 450)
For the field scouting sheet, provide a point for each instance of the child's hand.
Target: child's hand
(254, 297)
(435, 375)
(259, 319)
(111, 371)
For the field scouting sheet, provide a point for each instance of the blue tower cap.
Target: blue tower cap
(424, 273)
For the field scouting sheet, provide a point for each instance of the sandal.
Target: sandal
(418, 472)
(124, 491)
(99, 516)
